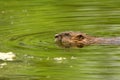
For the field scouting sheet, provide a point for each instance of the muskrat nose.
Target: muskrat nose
(56, 36)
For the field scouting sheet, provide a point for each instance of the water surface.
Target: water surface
(27, 28)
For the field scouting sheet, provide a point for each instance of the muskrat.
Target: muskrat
(77, 39)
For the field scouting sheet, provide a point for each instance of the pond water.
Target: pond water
(27, 28)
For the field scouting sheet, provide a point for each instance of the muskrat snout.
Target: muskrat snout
(56, 36)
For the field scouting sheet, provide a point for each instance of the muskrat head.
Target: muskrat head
(72, 39)
(63, 39)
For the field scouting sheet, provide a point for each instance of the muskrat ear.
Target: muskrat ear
(67, 34)
(80, 37)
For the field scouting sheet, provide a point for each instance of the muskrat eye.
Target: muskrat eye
(67, 34)
(80, 37)
(56, 36)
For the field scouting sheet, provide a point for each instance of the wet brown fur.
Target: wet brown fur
(77, 39)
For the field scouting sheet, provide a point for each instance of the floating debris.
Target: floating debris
(7, 56)
(29, 56)
(73, 57)
(59, 59)
(3, 64)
